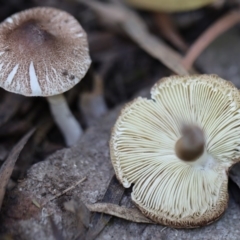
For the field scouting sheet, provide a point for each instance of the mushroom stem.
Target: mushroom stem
(191, 145)
(64, 118)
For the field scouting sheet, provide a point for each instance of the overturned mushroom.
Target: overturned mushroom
(176, 149)
(44, 52)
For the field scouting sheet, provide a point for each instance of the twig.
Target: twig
(169, 30)
(219, 27)
(65, 191)
(132, 25)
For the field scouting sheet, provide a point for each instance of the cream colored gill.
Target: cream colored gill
(177, 190)
(144, 136)
(211, 103)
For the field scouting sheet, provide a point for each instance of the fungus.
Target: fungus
(44, 52)
(176, 149)
(169, 5)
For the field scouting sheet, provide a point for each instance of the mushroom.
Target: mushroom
(176, 149)
(169, 5)
(44, 52)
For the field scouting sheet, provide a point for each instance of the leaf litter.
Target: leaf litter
(133, 26)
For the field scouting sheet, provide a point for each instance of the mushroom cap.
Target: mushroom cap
(142, 149)
(43, 52)
(169, 5)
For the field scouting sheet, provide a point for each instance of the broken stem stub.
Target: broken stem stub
(64, 118)
(191, 145)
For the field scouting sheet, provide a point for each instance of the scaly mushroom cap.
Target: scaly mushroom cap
(43, 52)
(142, 146)
(169, 5)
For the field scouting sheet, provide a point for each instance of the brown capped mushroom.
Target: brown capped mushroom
(44, 52)
(176, 149)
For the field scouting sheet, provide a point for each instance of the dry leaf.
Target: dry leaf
(129, 214)
(8, 165)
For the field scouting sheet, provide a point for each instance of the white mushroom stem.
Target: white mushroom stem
(64, 118)
(191, 145)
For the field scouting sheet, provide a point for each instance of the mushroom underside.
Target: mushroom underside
(167, 189)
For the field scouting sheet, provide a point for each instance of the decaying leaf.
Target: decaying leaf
(8, 165)
(82, 215)
(80, 210)
(113, 194)
(56, 232)
(129, 214)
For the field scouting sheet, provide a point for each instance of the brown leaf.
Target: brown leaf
(129, 214)
(8, 165)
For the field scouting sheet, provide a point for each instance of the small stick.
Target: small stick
(65, 191)
(169, 30)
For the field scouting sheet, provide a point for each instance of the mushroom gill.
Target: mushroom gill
(167, 189)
